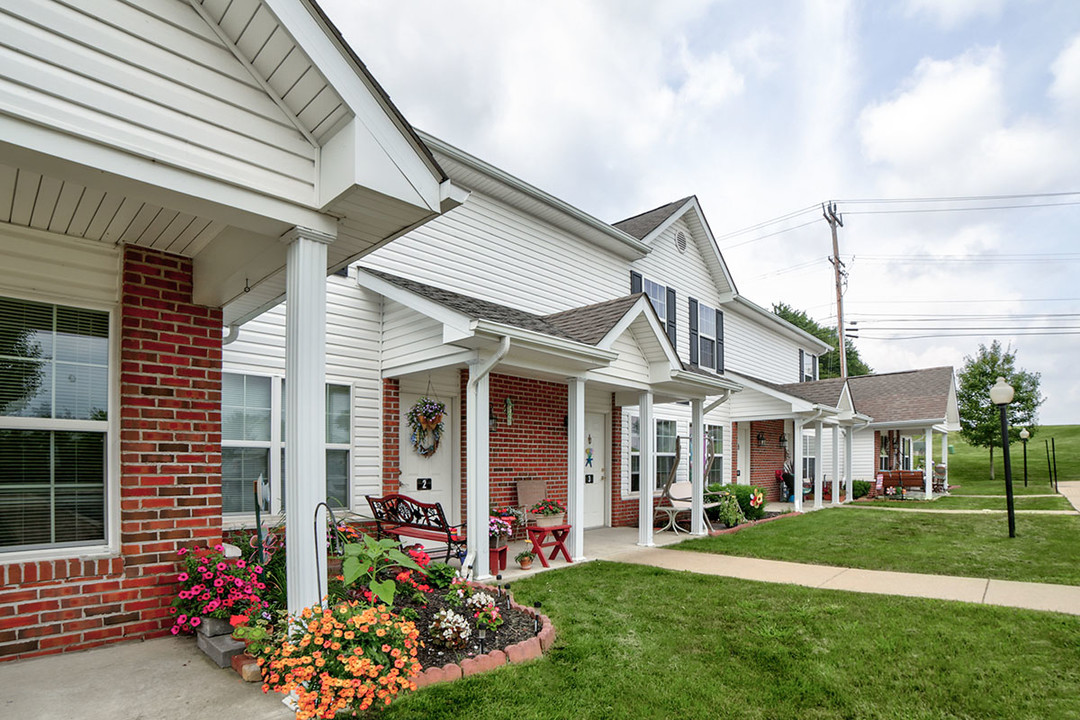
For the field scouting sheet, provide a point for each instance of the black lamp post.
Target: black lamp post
(1001, 395)
(1024, 435)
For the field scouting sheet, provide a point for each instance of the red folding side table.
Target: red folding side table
(558, 534)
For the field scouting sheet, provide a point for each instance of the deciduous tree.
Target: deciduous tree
(980, 421)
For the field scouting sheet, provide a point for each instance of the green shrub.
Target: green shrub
(745, 494)
(859, 488)
(729, 511)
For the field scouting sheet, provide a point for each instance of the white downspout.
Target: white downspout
(230, 337)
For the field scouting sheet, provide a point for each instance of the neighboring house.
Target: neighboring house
(168, 168)
(564, 348)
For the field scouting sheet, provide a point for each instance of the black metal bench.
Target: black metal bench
(401, 516)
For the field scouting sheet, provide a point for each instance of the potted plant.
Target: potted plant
(498, 531)
(548, 513)
(213, 588)
(526, 556)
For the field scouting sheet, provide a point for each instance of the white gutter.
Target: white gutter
(550, 342)
(483, 370)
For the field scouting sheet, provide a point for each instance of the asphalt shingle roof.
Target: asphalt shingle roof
(820, 392)
(903, 396)
(641, 225)
(474, 307)
(589, 324)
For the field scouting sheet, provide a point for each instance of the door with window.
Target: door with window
(429, 479)
(595, 469)
(743, 456)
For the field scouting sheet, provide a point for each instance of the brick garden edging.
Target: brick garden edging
(737, 528)
(520, 652)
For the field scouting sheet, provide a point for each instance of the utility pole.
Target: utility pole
(834, 219)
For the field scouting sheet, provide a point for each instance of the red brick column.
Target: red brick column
(170, 476)
(391, 434)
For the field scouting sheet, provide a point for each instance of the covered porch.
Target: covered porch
(796, 441)
(532, 398)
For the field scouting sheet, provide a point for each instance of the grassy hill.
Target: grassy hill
(970, 467)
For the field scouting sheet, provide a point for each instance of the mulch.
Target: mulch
(516, 627)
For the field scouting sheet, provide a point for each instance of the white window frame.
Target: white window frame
(661, 476)
(110, 427)
(659, 301)
(714, 433)
(809, 454)
(273, 486)
(635, 454)
(704, 311)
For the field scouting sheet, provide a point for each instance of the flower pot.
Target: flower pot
(497, 541)
(212, 627)
(549, 520)
(525, 564)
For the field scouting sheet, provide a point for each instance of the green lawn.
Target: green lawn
(638, 642)
(961, 502)
(969, 466)
(1046, 548)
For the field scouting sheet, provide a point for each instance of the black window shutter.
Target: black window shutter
(635, 282)
(671, 318)
(693, 332)
(815, 367)
(802, 365)
(719, 341)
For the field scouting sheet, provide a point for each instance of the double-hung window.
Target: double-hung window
(253, 442)
(706, 336)
(662, 299)
(808, 367)
(665, 452)
(809, 450)
(715, 437)
(54, 425)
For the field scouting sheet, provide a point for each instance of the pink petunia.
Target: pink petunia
(182, 577)
(196, 621)
(182, 552)
(219, 547)
(175, 630)
(240, 563)
(182, 619)
(221, 566)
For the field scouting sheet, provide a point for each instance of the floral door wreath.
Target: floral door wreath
(426, 420)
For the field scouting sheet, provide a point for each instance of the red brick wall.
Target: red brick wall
(765, 461)
(170, 476)
(391, 435)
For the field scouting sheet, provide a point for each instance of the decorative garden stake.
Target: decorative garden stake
(481, 634)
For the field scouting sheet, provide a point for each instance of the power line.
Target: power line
(965, 198)
(766, 223)
(957, 209)
(967, 334)
(778, 232)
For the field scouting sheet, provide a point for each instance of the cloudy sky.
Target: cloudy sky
(769, 108)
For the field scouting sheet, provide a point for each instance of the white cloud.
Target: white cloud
(1066, 70)
(949, 14)
(949, 131)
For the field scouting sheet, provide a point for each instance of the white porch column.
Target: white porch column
(819, 451)
(928, 463)
(647, 466)
(305, 423)
(797, 461)
(698, 443)
(477, 461)
(575, 470)
(945, 457)
(836, 465)
(848, 472)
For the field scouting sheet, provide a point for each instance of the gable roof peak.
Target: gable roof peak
(643, 224)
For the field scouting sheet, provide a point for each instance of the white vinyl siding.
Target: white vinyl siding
(753, 348)
(488, 250)
(153, 79)
(353, 326)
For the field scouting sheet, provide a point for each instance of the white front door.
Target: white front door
(429, 479)
(743, 455)
(595, 468)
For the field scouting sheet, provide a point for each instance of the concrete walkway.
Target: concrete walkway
(1071, 491)
(983, 591)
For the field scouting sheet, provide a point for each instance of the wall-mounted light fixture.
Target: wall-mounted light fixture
(509, 405)
(783, 441)
(761, 439)
(493, 422)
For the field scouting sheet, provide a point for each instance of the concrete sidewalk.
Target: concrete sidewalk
(163, 679)
(1071, 491)
(983, 591)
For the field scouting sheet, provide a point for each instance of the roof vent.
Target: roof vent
(680, 241)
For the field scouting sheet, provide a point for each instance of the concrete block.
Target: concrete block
(210, 627)
(220, 648)
(547, 637)
(452, 671)
(524, 651)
